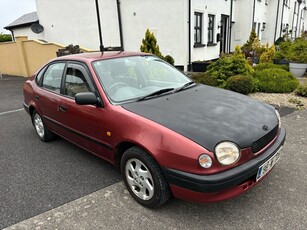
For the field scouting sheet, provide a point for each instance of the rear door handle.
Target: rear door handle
(36, 97)
(62, 108)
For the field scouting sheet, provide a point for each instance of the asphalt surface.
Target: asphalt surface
(36, 176)
(44, 186)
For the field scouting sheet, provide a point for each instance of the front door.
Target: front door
(223, 33)
(83, 124)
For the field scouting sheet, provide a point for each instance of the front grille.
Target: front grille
(265, 140)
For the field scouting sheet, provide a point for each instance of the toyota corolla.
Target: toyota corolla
(168, 135)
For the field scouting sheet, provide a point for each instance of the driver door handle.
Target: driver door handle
(62, 108)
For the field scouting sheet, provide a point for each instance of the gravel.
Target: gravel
(290, 100)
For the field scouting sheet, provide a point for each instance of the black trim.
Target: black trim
(223, 180)
(26, 107)
(211, 44)
(80, 134)
(196, 45)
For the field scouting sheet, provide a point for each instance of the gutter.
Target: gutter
(120, 25)
(282, 17)
(230, 26)
(253, 21)
(189, 34)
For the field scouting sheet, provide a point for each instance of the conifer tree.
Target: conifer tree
(149, 44)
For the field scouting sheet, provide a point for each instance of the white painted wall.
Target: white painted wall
(243, 15)
(74, 22)
(166, 19)
(26, 31)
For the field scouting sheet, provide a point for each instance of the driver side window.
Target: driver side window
(75, 82)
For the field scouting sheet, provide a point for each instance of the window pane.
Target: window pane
(197, 28)
(53, 76)
(75, 82)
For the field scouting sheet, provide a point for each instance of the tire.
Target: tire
(144, 179)
(42, 131)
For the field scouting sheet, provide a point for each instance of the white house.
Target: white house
(188, 30)
(22, 26)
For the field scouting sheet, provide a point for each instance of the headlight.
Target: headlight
(278, 117)
(205, 161)
(227, 153)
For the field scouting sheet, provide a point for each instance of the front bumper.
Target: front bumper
(182, 182)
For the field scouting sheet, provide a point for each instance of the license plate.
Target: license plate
(268, 165)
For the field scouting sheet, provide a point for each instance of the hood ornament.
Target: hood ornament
(265, 128)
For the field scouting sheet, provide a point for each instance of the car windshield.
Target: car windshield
(137, 78)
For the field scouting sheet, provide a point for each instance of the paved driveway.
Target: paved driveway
(35, 176)
(45, 180)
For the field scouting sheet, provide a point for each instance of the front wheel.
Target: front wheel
(42, 131)
(143, 178)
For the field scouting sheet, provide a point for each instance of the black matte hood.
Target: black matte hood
(208, 115)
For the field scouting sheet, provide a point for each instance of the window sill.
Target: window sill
(199, 45)
(211, 44)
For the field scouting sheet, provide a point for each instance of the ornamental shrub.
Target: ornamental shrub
(205, 78)
(5, 37)
(302, 90)
(268, 54)
(241, 84)
(149, 44)
(263, 66)
(169, 59)
(276, 81)
(228, 66)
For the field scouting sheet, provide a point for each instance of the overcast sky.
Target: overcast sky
(10, 10)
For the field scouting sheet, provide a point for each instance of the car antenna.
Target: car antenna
(101, 47)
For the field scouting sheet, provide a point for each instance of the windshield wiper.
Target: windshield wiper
(161, 91)
(184, 86)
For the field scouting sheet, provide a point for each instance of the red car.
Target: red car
(167, 134)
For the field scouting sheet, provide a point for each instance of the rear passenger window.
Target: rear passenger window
(53, 76)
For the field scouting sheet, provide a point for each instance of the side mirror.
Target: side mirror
(87, 98)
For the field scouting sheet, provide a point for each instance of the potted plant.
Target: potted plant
(297, 57)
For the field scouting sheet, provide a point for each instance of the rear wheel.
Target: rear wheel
(144, 179)
(42, 131)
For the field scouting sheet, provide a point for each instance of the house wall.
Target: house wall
(26, 31)
(170, 27)
(216, 8)
(243, 16)
(24, 57)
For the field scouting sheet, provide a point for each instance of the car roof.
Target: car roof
(93, 56)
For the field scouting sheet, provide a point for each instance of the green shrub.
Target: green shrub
(241, 84)
(150, 45)
(263, 66)
(276, 81)
(297, 51)
(5, 37)
(302, 90)
(228, 66)
(268, 54)
(169, 59)
(206, 79)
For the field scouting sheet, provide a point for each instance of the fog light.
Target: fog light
(205, 161)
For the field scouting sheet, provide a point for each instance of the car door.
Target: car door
(47, 95)
(84, 124)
